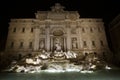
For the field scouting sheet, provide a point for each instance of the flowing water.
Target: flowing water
(98, 75)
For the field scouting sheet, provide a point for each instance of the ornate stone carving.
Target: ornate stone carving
(57, 8)
(42, 30)
(72, 16)
(73, 31)
(58, 33)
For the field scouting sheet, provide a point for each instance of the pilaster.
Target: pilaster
(47, 38)
(36, 38)
(68, 38)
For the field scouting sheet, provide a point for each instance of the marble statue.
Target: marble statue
(58, 44)
(42, 44)
(74, 43)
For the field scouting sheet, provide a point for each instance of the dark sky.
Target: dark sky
(106, 9)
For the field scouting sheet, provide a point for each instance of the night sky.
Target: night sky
(106, 9)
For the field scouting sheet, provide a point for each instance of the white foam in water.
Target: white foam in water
(54, 71)
(107, 67)
(86, 71)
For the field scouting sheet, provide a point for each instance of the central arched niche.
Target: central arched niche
(58, 38)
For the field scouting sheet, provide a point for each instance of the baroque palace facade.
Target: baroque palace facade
(56, 30)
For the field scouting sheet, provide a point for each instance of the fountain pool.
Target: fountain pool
(113, 74)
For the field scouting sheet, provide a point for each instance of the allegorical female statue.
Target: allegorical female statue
(74, 43)
(42, 44)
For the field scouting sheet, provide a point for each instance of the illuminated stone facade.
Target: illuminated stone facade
(56, 30)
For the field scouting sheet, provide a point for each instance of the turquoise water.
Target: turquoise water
(98, 75)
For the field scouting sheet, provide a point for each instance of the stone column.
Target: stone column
(68, 38)
(47, 38)
(36, 38)
(51, 43)
(64, 44)
(79, 38)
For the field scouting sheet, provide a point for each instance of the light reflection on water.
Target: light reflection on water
(99, 75)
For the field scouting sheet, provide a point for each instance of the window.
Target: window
(14, 30)
(93, 43)
(21, 44)
(101, 42)
(30, 45)
(84, 43)
(19, 56)
(12, 45)
(31, 29)
(83, 30)
(99, 29)
(91, 30)
(23, 29)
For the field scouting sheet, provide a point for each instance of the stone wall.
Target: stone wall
(20, 33)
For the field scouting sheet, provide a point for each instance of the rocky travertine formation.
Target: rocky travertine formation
(58, 61)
